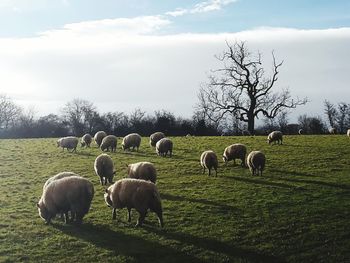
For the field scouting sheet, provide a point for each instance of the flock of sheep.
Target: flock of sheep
(68, 192)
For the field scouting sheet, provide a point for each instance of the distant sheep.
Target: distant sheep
(142, 170)
(155, 137)
(164, 146)
(99, 137)
(104, 168)
(332, 130)
(109, 142)
(70, 143)
(235, 151)
(209, 160)
(86, 140)
(348, 133)
(134, 193)
(131, 140)
(256, 162)
(300, 131)
(73, 193)
(275, 136)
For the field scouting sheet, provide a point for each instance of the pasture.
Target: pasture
(298, 211)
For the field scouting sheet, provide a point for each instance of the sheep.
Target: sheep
(86, 140)
(142, 170)
(104, 168)
(131, 140)
(348, 133)
(208, 161)
(275, 136)
(110, 141)
(155, 137)
(69, 142)
(164, 146)
(332, 130)
(300, 131)
(73, 193)
(134, 193)
(235, 151)
(99, 137)
(256, 162)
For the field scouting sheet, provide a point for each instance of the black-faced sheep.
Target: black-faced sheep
(70, 143)
(275, 136)
(208, 161)
(131, 140)
(155, 137)
(134, 193)
(256, 162)
(86, 140)
(110, 141)
(235, 151)
(73, 193)
(142, 170)
(164, 146)
(104, 168)
(99, 137)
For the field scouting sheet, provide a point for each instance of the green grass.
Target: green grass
(298, 211)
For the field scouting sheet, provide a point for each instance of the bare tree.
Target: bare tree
(331, 113)
(9, 111)
(242, 89)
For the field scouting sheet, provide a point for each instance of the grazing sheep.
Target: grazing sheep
(104, 168)
(164, 146)
(208, 161)
(235, 151)
(155, 137)
(86, 140)
(110, 141)
(134, 193)
(348, 133)
(99, 137)
(131, 140)
(256, 162)
(332, 130)
(73, 193)
(300, 131)
(142, 170)
(69, 142)
(275, 136)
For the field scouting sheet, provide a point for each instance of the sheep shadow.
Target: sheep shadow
(235, 253)
(120, 243)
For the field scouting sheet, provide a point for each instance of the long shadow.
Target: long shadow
(291, 173)
(235, 253)
(261, 182)
(201, 201)
(121, 244)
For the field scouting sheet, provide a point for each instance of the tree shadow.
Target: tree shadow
(235, 253)
(126, 245)
(291, 173)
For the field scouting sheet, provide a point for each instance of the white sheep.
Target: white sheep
(86, 140)
(256, 162)
(155, 137)
(104, 168)
(73, 193)
(208, 161)
(275, 136)
(164, 146)
(99, 137)
(134, 193)
(348, 133)
(235, 151)
(110, 141)
(142, 170)
(131, 140)
(69, 142)
(300, 131)
(332, 130)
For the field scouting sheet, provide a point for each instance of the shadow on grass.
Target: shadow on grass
(235, 253)
(291, 173)
(126, 245)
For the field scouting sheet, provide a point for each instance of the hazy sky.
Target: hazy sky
(154, 54)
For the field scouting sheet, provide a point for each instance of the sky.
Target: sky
(154, 55)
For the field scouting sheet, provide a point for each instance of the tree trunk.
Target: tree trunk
(251, 124)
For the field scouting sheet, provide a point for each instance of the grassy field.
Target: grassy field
(299, 211)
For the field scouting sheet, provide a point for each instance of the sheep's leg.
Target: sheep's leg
(66, 217)
(141, 219)
(114, 213)
(129, 214)
(209, 172)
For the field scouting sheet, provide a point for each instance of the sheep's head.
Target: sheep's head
(107, 198)
(224, 158)
(123, 146)
(83, 144)
(43, 212)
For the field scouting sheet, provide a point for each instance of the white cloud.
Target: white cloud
(202, 7)
(123, 64)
